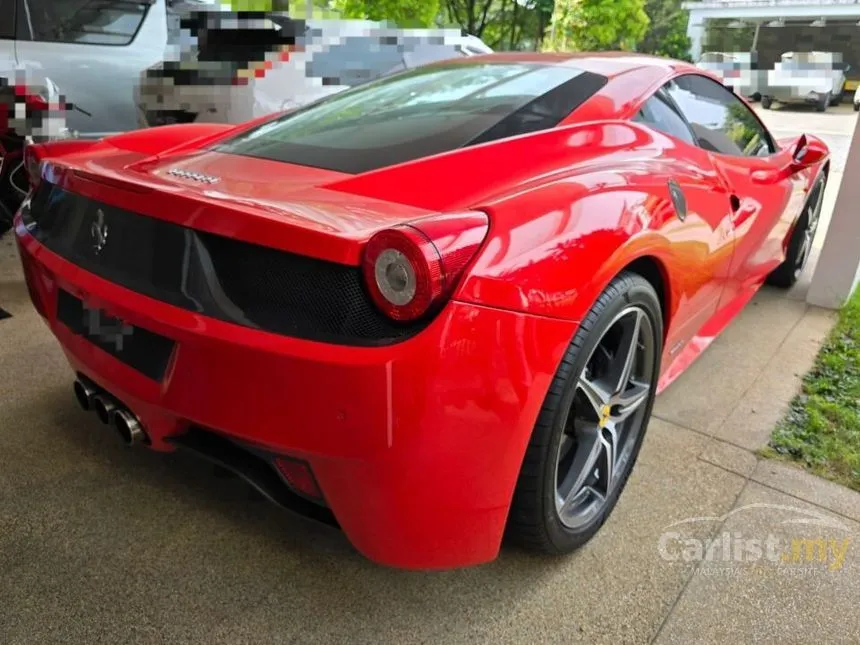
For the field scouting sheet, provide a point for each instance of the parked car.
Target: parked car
(816, 78)
(32, 109)
(434, 308)
(737, 70)
(95, 50)
(279, 69)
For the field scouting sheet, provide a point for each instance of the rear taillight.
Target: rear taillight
(36, 153)
(33, 155)
(412, 269)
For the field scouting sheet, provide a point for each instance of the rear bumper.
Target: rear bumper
(416, 446)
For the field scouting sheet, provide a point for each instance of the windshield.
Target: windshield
(418, 113)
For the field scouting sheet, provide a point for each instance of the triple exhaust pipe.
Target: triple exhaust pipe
(110, 412)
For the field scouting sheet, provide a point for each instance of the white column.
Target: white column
(836, 273)
(696, 33)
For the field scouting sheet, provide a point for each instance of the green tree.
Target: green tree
(509, 25)
(473, 16)
(403, 13)
(593, 25)
(667, 34)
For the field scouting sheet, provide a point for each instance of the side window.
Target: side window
(720, 121)
(7, 19)
(658, 113)
(89, 22)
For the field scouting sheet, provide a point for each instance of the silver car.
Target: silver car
(738, 71)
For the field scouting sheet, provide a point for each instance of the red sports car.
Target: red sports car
(434, 309)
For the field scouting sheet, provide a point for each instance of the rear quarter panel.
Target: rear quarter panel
(556, 241)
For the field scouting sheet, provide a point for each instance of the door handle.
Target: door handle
(742, 210)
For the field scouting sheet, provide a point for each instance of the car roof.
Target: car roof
(609, 64)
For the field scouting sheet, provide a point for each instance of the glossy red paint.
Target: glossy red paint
(416, 446)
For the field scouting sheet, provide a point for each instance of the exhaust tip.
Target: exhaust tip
(103, 407)
(129, 428)
(84, 395)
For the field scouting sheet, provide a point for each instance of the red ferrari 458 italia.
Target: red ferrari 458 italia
(434, 309)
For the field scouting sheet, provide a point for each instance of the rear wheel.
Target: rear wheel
(836, 100)
(590, 429)
(766, 102)
(800, 244)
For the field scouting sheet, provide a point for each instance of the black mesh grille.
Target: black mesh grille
(234, 281)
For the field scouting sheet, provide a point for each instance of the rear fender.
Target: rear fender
(553, 250)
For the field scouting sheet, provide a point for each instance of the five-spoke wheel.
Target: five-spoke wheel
(800, 243)
(605, 418)
(588, 434)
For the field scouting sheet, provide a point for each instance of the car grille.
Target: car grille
(234, 281)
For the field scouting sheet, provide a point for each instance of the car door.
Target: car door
(739, 145)
(95, 51)
(700, 230)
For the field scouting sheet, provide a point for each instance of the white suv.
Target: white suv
(94, 50)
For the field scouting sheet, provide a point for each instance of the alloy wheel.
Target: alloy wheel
(606, 417)
(812, 215)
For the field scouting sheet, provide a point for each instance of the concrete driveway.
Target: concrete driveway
(102, 544)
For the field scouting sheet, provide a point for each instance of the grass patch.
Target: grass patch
(822, 428)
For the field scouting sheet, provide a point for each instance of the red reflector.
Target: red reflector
(298, 476)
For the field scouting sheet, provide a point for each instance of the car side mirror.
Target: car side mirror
(800, 154)
(806, 153)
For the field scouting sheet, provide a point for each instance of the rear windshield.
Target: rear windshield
(418, 113)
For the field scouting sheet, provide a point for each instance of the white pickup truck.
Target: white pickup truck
(816, 78)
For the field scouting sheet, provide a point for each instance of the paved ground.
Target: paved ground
(100, 544)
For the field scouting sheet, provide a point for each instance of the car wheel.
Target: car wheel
(823, 102)
(800, 244)
(766, 102)
(756, 97)
(592, 422)
(836, 100)
(857, 107)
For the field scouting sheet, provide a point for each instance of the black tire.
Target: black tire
(823, 102)
(755, 97)
(836, 100)
(857, 107)
(766, 102)
(534, 521)
(787, 273)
